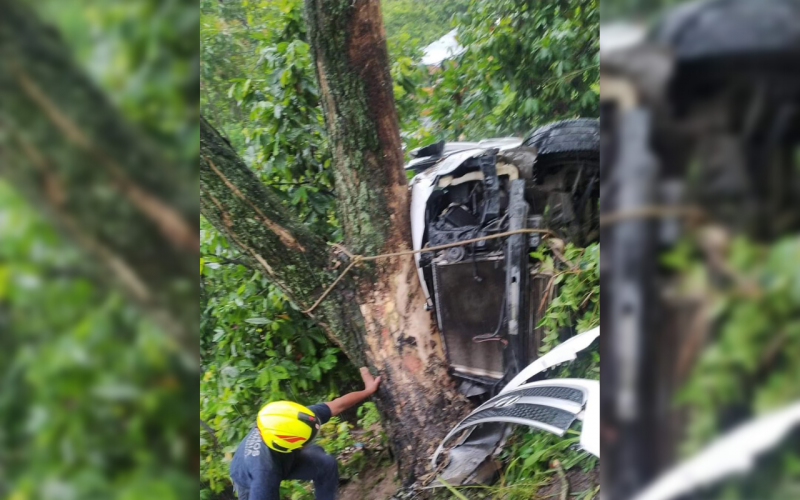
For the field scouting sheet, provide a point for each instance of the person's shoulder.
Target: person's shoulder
(321, 411)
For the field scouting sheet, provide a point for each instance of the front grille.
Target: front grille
(545, 414)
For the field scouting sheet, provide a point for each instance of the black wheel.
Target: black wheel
(718, 28)
(566, 139)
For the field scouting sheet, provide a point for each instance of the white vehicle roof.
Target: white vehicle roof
(442, 49)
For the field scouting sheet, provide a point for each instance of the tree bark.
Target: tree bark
(65, 146)
(348, 43)
(377, 314)
(271, 239)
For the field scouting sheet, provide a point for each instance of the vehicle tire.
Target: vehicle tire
(577, 139)
(733, 28)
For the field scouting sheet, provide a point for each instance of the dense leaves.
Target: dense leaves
(749, 365)
(526, 64)
(91, 403)
(255, 347)
(419, 20)
(534, 457)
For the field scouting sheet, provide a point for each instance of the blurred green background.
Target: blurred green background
(95, 401)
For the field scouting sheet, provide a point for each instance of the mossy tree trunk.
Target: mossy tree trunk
(377, 315)
(65, 146)
(348, 43)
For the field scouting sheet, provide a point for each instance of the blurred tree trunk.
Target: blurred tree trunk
(65, 146)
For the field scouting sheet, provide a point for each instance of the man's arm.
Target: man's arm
(349, 400)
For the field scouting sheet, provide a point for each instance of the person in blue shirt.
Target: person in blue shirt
(278, 447)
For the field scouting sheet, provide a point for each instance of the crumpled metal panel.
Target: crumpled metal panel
(550, 405)
(470, 462)
(565, 351)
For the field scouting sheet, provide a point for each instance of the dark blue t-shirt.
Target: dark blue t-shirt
(255, 460)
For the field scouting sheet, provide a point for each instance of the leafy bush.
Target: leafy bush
(256, 347)
(94, 398)
(419, 20)
(749, 365)
(526, 64)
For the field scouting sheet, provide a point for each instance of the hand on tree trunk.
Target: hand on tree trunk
(370, 383)
(351, 399)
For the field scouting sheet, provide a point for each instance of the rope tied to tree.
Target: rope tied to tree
(612, 218)
(356, 259)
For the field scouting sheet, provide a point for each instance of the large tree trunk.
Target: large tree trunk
(396, 340)
(349, 48)
(65, 146)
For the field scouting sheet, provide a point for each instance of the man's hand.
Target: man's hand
(370, 383)
(342, 403)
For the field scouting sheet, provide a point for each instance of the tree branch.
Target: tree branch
(226, 260)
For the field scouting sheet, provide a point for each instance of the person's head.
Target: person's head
(286, 426)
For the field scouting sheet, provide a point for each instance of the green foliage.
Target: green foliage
(256, 347)
(90, 401)
(419, 20)
(749, 362)
(279, 125)
(576, 276)
(141, 52)
(368, 415)
(335, 436)
(534, 457)
(227, 52)
(526, 64)
(752, 361)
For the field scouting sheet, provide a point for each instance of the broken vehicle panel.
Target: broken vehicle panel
(468, 459)
(549, 405)
(566, 351)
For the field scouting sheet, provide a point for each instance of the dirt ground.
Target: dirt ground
(580, 484)
(371, 483)
(379, 483)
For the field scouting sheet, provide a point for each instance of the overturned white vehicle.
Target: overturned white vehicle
(486, 294)
(482, 292)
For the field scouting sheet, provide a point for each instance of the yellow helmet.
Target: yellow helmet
(286, 426)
